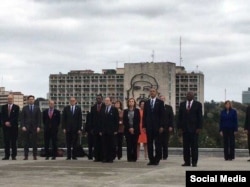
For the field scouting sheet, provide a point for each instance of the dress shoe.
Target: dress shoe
(150, 163)
(25, 158)
(74, 158)
(185, 164)
(47, 158)
(34, 158)
(53, 158)
(68, 158)
(248, 160)
(5, 158)
(194, 165)
(13, 158)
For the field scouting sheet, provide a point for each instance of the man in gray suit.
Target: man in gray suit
(31, 124)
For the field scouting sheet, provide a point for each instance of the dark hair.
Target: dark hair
(118, 101)
(142, 101)
(99, 95)
(31, 96)
(230, 104)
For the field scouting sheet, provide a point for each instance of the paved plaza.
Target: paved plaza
(121, 173)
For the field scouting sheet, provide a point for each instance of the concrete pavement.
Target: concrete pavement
(121, 173)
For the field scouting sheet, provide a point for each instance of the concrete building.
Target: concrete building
(84, 85)
(140, 77)
(246, 96)
(19, 98)
(134, 80)
(189, 81)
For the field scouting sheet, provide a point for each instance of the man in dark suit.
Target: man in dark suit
(51, 122)
(247, 128)
(169, 121)
(31, 124)
(109, 128)
(72, 124)
(95, 125)
(190, 124)
(153, 124)
(9, 118)
(90, 136)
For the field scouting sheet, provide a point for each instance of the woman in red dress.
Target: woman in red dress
(142, 137)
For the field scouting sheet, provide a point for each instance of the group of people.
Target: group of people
(149, 123)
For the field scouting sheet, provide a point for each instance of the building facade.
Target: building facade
(140, 77)
(84, 85)
(134, 80)
(246, 97)
(19, 98)
(189, 81)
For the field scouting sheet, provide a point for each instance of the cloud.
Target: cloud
(42, 37)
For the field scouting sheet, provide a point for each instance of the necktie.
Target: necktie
(98, 107)
(50, 113)
(31, 108)
(152, 104)
(189, 105)
(107, 109)
(9, 109)
(72, 109)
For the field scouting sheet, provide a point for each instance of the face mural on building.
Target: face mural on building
(140, 86)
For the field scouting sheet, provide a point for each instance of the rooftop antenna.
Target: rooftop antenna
(180, 52)
(153, 55)
(225, 94)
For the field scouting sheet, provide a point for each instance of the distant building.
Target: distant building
(19, 98)
(189, 81)
(246, 96)
(84, 85)
(134, 80)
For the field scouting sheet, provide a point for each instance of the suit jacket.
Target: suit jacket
(72, 122)
(51, 124)
(247, 119)
(136, 121)
(109, 121)
(95, 119)
(168, 116)
(190, 120)
(31, 120)
(153, 120)
(13, 118)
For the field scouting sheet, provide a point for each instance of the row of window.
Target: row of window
(87, 77)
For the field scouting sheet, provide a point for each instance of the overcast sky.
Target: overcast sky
(43, 37)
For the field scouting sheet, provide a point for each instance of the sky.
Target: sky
(43, 37)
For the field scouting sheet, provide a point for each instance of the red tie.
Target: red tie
(50, 113)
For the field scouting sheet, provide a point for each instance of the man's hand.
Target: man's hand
(24, 129)
(170, 129)
(7, 124)
(198, 131)
(221, 133)
(38, 129)
(64, 131)
(161, 129)
(131, 130)
(79, 132)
